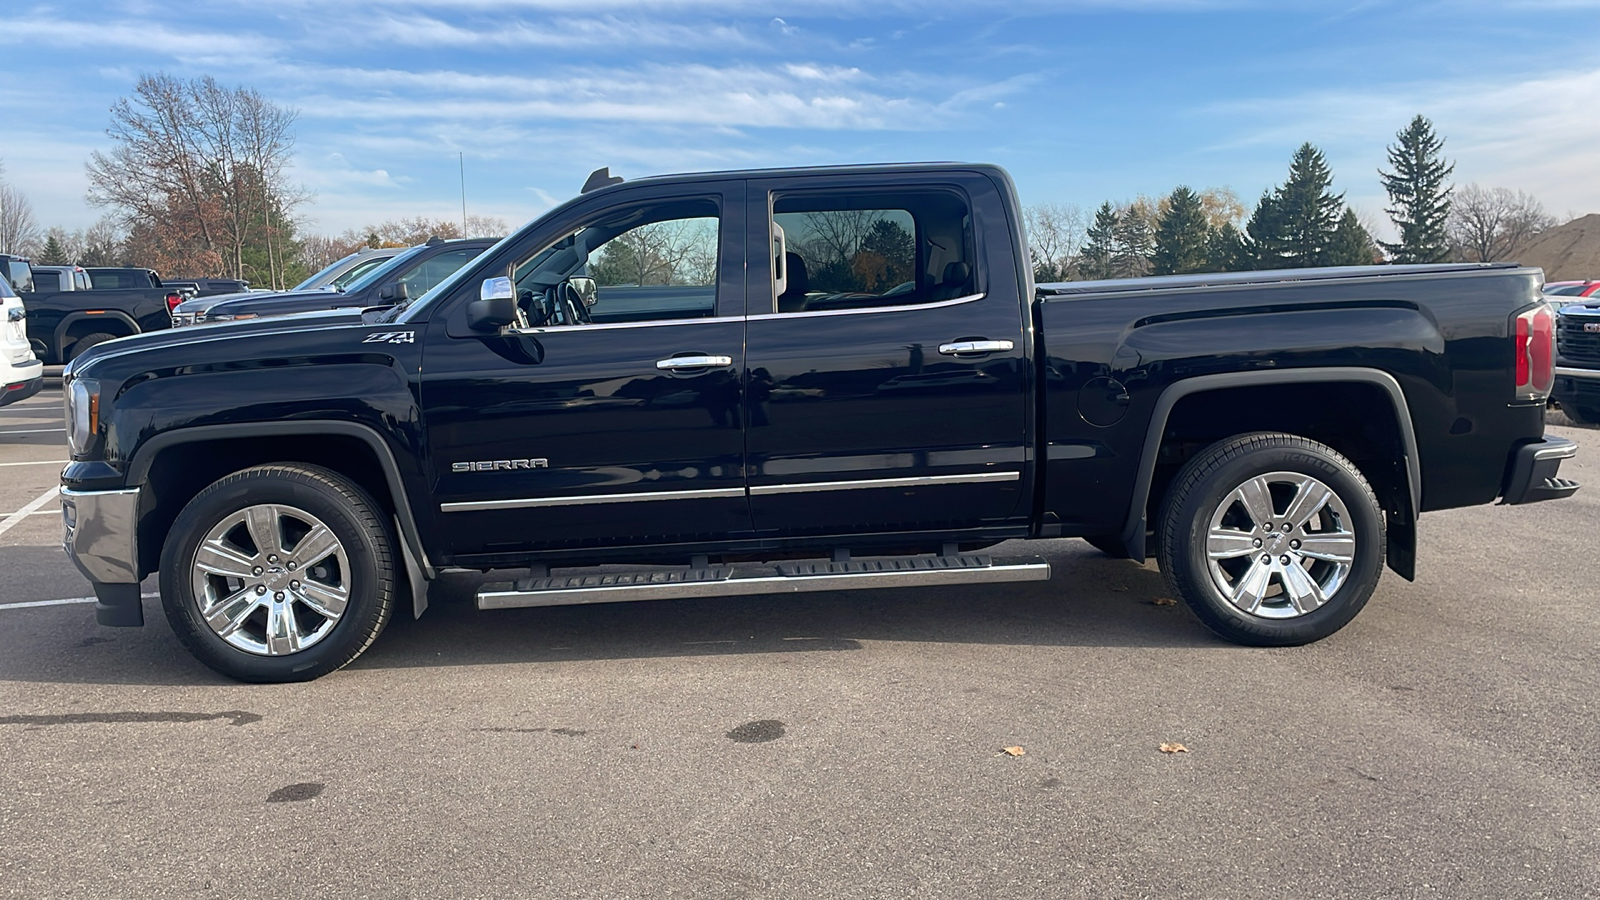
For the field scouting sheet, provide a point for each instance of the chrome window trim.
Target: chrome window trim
(869, 309)
(598, 326)
(870, 483)
(588, 499)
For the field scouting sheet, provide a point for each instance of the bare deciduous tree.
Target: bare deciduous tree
(1056, 232)
(196, 172)
(19, 232)
(1489, 224)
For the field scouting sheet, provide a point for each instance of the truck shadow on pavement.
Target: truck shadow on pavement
(1091, 601)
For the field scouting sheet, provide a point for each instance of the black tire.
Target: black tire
(363, 539)
(1197, 498)
(1582, 415)
(87, 341)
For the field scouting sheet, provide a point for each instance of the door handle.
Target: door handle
(966, 348)
(693, 362)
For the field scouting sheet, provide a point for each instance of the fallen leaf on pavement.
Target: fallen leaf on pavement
(1164, 601)
(1174, 748)
(1012, 751)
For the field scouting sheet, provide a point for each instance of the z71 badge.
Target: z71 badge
(499, 465)
(391, 337)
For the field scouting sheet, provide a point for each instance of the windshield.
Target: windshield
(378, 274)
(344, 281)
(322, 276)
(409, 312)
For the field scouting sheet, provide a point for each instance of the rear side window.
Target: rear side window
(113, 281)
(46, 281)
(854, 250)
(360, 269)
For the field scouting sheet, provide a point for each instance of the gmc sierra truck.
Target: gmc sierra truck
(1577, 385)
(797, 380)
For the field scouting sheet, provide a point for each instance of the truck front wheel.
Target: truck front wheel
(1272, 539)
(278, 573)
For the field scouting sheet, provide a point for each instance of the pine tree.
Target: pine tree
(1420, 198)
(1226, 250)
(1181, 235)
(53, 254)
(1293, 225)
(1352, 245)
(1095, 259)
(1134, 241)
(1263, 238)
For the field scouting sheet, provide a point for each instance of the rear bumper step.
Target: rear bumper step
(781, 578)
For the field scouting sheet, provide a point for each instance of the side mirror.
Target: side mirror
(395, 293)
(496, 306)
(585, 288)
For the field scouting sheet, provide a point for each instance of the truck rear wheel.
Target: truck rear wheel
(1272, 539)
(87, 341)
(278, 573)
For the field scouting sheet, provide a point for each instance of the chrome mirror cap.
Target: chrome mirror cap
(497, 289)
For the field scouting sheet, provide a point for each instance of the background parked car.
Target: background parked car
(410, 274)
(1563, 290)
(21, 375)
(60, 278)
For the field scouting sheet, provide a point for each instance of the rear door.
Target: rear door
(887, 375)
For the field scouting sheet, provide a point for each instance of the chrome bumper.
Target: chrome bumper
(100, 534)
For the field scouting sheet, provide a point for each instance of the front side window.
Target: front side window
(357, 272)
(647, 263)
(860, 250)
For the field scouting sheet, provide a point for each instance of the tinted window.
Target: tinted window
(430, 272)
(648, 263)
(358, 271)
(46, 281)
(20, 276)
(1571, 290)
(5, 288)
(857, 250)
(117, 281)
(381, 273)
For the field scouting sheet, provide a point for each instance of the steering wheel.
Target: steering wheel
(573, 311)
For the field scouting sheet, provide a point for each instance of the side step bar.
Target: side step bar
(779, 578)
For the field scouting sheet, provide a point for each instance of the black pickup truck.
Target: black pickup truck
(62, 324)
(797, 380)
(407, 274)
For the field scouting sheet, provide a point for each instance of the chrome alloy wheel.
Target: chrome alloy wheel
(271, 579)
(1280, 545)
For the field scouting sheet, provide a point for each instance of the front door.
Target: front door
(598, 425)
(887, 356)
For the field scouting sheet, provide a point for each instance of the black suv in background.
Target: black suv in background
(410, 274)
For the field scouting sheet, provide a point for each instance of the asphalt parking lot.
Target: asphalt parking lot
(824, 745)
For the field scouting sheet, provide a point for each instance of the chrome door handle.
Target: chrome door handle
(694, 362)
(962, 348)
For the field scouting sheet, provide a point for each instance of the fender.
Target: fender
(414, 553)
(1402, 539)
(78, 316)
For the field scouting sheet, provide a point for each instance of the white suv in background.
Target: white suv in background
(21, 375)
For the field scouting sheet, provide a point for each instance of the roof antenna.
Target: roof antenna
(600, 178)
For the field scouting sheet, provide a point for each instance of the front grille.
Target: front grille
(1573, 343)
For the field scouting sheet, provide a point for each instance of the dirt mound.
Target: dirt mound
(1569, 252)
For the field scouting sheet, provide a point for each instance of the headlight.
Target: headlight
(82, 413)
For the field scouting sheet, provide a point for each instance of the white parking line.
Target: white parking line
(33, 603)
(34, 431)
(23, 513)
(38, 462)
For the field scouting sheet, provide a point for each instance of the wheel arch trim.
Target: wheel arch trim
(410, 535)
(73, 318)
(1134, 527)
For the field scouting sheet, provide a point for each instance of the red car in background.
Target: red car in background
(1577, 290)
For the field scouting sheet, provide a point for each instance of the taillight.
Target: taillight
(1536, 352)
(173, 299)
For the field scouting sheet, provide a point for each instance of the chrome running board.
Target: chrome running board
(778, 578)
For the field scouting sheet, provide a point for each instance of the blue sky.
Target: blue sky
(1082, 101)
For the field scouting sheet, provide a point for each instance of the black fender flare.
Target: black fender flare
(1402, 540)
(72, 318)
(416, 557)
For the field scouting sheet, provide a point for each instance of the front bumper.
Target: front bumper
(100, 534)
(1533, 472)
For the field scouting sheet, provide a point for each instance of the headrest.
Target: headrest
(957, 273)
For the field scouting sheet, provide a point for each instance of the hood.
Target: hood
(282, 304)
(177, 337)
(201, 304)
